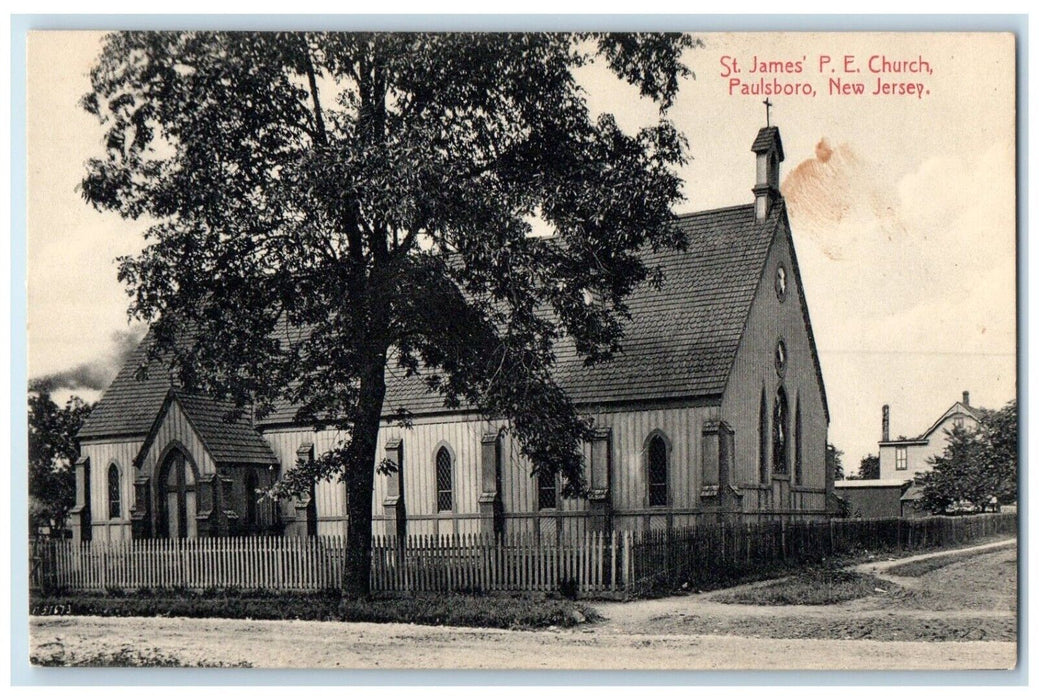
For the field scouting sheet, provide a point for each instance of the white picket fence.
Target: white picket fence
(591, 563)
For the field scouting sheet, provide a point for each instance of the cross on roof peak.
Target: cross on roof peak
(768, 111)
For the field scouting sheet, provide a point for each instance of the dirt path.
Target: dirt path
(294, 644)
(880, 568)
(644, 614)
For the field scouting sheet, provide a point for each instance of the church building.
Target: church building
(714, 409)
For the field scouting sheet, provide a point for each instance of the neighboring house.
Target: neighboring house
(907, 458)
(714, 409)
(896, 493)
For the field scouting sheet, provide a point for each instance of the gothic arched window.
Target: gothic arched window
(798, 444)
(546, 490)
(656, 470)
(115, 505)
(780, 433)
(763, 439)
(445, 493)
(250, 497)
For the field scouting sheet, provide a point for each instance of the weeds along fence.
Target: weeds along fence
(611, 564)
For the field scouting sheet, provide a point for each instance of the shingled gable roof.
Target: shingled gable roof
(128, 406)
(680, 343)
(766, 137)
(234, 442)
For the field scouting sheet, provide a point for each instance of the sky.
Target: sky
(902, 208)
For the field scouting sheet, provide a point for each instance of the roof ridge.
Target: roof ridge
(705, 212)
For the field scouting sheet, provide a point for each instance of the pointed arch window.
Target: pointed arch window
(445, 490)
(798, 445)
(763, 439)
(250, 497)
(115, 501)
(546, 491)
(657, 470)
(780, 434)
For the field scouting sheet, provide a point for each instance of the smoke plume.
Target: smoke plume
(97, 374)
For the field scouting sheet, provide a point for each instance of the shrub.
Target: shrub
(431, 609)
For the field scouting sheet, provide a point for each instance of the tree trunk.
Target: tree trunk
(360, 475)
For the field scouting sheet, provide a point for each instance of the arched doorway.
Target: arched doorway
(177, 501)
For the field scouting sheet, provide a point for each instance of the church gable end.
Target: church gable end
(779, 460)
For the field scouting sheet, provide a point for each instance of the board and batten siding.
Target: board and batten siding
(330, 496)
(462, 435)
(754, 370)
(102, 453)
(176, 427)
(918, 455)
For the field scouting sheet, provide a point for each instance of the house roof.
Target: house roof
(680, 342)
(913, 493)
(764, 140)
(227, 441)
(870, 483)
(923, 438)
(958, 407)
(129, 406)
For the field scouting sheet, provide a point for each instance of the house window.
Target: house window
(656, 462)
(546, 491)
(900, 459)
(445, 496)
(250, 497)
(780, 434)
(763, 439)
(958, 423)
(115, 506)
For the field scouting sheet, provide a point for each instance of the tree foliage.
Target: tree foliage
(869, 467)
(52, 454)
(976, 465)
(327, 208)
(834, 462)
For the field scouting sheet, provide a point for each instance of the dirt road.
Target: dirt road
(970, 600)
(282, 644)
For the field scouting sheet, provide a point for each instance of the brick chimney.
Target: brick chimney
(966, 398)
(885, 423)
(769, 149)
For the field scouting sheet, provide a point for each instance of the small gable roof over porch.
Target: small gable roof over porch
(200, 423)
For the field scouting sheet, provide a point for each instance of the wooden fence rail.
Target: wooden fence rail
(595, 563)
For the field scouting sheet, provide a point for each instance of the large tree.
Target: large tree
(324, 208)
(976, 465)
(52, 454)
(834, 462)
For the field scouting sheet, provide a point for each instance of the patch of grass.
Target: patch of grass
(127, 656)
(501, 611)
(926, 566)
(884, 627)
(817, 586)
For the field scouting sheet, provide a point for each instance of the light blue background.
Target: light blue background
(23, 674)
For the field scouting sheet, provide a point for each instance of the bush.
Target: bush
(498, 611)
